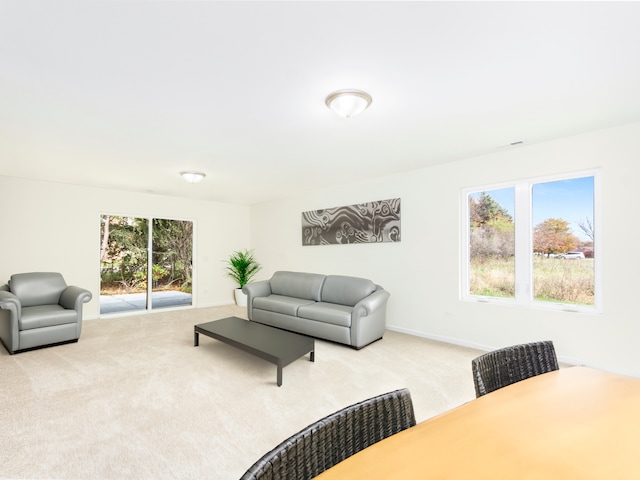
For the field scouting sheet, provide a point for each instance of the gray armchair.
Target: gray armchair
(38, 309)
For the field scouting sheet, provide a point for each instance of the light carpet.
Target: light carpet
(134, 399)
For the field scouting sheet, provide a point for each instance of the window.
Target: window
(145, 263)
(533, 242)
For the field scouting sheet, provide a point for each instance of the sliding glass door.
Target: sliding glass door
(171, 265)
(145, 263)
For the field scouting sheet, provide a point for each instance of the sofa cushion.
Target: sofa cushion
(296, 284)
(46, 316)
(346, 290)
(37, 288)
(327, 313)
(280, 304)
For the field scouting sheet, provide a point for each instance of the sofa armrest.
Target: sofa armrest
(368, 318)
(73, 297)
(373, 302)
(253, 290)
(10, 311)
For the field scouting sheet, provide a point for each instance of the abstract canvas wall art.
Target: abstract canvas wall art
(372, 222)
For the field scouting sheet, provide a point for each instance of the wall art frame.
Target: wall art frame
(371, 222)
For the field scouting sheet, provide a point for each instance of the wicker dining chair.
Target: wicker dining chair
(508, 365)
(336, 437)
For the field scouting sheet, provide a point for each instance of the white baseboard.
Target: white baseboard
(477, 346)
(439, 338)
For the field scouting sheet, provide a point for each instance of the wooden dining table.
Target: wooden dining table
(573, 423)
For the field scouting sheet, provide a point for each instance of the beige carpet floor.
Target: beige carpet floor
(134, 399)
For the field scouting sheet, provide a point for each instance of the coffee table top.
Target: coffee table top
(266, 342)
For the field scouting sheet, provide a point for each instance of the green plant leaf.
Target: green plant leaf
(242, 267)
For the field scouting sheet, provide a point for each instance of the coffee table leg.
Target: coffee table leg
(196, 339)
(279, 375)
(312, 356)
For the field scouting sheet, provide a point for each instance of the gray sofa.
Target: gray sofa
(342, 309)
(39, 309)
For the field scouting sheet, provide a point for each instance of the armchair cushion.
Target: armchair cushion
(46, 316)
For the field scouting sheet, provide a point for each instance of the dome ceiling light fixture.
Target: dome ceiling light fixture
(348, 103)
(193, 177)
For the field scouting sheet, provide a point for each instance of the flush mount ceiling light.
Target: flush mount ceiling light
(193, 177)
(348, 103)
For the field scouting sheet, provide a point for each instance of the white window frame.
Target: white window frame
(524, 243)
(149, 292)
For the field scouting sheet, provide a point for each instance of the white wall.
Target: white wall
(422, 271)
(55, 227)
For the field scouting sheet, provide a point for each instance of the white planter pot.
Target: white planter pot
(241, 297)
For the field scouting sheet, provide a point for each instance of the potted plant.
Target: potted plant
(242, 267)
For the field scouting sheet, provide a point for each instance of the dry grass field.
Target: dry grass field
(555, 280)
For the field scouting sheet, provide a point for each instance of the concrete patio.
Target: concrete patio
(138, 301)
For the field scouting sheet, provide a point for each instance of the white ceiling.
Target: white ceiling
(126, 94)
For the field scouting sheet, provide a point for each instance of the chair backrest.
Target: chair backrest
(336, 437)
(37, 288)
(508, 365)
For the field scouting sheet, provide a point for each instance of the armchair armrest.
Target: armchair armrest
(256, 289)
(8, 301)
(73, 297)
(10, 311)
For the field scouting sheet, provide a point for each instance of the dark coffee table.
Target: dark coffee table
(272, 344)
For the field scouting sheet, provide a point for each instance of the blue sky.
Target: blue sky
(570, 200)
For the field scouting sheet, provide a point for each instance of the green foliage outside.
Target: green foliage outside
(492, 231)
(124, 255)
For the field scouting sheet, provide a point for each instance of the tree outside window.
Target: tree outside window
(491, 245)
(532, 242)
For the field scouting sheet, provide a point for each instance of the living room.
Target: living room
(57, 223)
(424, 261)
(65, 161)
